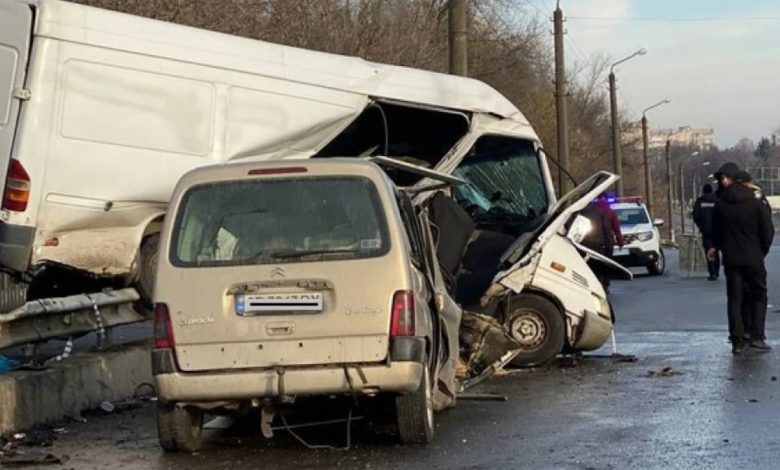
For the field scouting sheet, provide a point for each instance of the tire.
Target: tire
(414, 413)
(659, 266)
(538, 325)
(147, 268)
(179, 429)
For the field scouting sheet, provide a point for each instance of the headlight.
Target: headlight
(579, 229)
(644, 236)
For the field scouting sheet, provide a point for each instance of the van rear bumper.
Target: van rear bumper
(16, 243)
(395, 377)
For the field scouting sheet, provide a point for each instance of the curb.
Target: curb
(30, 398)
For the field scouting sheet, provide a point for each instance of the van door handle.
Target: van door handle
(280, 328)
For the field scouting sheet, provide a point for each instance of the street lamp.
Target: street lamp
(648, 192)
(618, 159)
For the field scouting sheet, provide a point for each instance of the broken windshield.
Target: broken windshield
(279, 221)
(505, 182)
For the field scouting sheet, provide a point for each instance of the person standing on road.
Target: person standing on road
(742, 230)
(615, 235)
(605, 231)
(702, 217)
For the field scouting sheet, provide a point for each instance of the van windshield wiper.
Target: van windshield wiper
(295, 254)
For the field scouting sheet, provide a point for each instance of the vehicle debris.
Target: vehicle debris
(665, 372)
(7, 364)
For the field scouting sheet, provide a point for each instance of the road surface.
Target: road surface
(710, 410)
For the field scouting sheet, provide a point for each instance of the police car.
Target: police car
(642, 240)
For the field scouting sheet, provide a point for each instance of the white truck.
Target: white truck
(101, 113)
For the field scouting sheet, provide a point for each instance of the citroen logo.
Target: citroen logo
(277, 272)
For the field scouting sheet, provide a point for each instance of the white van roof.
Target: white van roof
(82, 24)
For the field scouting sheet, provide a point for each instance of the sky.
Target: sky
(718, 61)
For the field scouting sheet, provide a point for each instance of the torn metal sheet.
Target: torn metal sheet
(486, 346)
(61, 317)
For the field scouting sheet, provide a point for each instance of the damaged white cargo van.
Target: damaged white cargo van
(101, 113)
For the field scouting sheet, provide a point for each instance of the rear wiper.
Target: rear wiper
(294, 254)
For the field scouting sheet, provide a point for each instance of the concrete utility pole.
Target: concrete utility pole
(458, 16)
(670, 190)
(682, 198)
(613, 107)
(646, 158)
(560, 103)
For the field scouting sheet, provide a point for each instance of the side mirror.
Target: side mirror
(579, 229)
(658, 222)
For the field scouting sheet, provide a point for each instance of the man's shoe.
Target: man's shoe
(760, 344)
(712, 278)
(737, 348)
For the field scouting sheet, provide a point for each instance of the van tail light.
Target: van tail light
(402, 317)
(163, 331)
(17, 187)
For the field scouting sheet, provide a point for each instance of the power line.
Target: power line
(678, 19)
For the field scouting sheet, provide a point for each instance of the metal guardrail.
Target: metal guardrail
(62, 317)
(12, 294)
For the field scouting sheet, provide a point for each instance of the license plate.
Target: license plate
(259, 304)
(620, 252)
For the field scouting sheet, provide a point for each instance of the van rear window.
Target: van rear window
(274, 221)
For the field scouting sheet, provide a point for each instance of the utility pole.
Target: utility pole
(560, 103)
(648, 171)
(618, 158)
(613, 108)
(670, 189)
(682, 198)
(458, 36)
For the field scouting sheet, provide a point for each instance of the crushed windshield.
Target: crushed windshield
(505, 181)
(279, 221)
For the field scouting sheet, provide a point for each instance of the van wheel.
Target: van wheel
(658, 267)
(147, 268)
(537, 324)
(415, 413)
(179, 429)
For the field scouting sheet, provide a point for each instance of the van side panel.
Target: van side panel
(108, 134)
(15, 27)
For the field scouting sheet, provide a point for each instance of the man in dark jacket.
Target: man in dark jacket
(702, 216)
(742, 230)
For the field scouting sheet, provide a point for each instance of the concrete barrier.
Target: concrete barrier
(83, 381)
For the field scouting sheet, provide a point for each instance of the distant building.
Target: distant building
(682, 136)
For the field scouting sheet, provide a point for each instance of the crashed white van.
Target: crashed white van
(101, 113)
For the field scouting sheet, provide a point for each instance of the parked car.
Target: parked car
(299, 278)
(642, 240)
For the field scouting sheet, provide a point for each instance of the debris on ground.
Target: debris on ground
(121, 406)
(617, 357)
(18, 458)
(665, 372)
(482, 397)
(107, 406)
(7, 364)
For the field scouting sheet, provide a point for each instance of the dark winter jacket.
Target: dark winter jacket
(702, 213)
(742, 227)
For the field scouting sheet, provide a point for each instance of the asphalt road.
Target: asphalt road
(710, 410)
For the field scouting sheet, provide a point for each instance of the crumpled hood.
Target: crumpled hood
(737, 194)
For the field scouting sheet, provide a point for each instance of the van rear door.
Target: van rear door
(15, 30)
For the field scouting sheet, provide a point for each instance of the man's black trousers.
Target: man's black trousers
(746, 290)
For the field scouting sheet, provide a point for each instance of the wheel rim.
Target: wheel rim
(529, 329)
